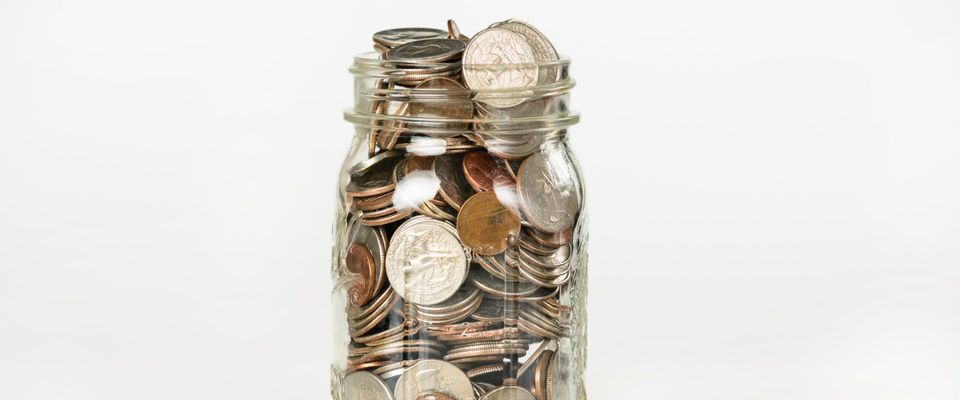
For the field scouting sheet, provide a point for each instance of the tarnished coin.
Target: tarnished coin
(498, 59)
(374, 180)
(509, 393)
(442, 98)
(426, 264)
(433, 376)
(401, 36)
(427, 51)
(548, 193)
(361, 262)
(484, 172)
(454, 187)
(485, 225)
(363, 385)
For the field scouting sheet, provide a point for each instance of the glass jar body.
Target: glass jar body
(459, 263)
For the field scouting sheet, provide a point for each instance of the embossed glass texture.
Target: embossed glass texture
(460, 262)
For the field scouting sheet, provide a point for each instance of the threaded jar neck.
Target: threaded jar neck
(436, 100)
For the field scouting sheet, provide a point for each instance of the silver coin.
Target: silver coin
(427, 51)
(426, 263)
(363, 385)
(401, 36)
(543, 50)
(433, 376)
(509, 393)
(548, 192)
(487, 66)
(513, 147)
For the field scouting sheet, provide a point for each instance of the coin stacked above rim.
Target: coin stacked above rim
(461, 238)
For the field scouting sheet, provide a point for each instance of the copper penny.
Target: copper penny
(484, 172)
(377, 202)
(361, 262)
(485, 225)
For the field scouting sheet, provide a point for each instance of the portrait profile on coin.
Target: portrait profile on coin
(550, 199)
(426, 263)
(433, 376)
(363, 385)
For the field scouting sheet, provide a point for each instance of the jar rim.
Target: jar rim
(371, 60)
(496, 103)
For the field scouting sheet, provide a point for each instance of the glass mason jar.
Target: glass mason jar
(460, 264)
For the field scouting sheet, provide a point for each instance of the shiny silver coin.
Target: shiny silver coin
(426, 263)
(401, 36)
(543, 50)
(488, 64)
(363, 385)
(427, 51)
(548, 194)
(433, 376)
(509, 393)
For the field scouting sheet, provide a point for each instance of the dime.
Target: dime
(427, 51)
(401, 36)
(485, 225)
(426, 263)
(488, 65)
(433, 376)
(365, 386)
(361, 262)
(548, 194)
(484, 172)
(509, 393)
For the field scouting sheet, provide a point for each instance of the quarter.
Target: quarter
(433, 376)
(548, 194)
(363, 385)
(426, 264)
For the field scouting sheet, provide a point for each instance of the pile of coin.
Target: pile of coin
(461, 237)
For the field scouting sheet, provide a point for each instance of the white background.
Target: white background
(774, 193)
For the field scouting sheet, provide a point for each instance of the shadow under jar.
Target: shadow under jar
(460, 257)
